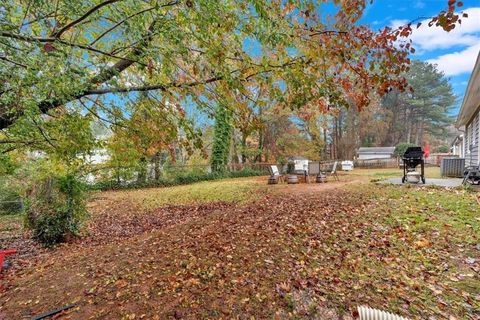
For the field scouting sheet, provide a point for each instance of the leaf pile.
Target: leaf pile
(299, 255)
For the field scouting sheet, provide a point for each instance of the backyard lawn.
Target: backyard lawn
(430, 172)
(238, 248)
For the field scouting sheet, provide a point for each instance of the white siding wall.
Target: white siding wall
(374, 156)
(472, 139)
(477, 137)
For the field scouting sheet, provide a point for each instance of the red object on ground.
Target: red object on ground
(3, 253)
(426, 150)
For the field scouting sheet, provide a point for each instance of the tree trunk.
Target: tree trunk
(142, 172)
(156, 166)
(325, 140)
(409, 124)
(420, 132)
(243, 144)
(261, 144)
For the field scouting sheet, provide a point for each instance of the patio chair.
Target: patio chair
(275, 173)
(333, 172)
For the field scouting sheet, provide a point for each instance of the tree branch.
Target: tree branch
(161, 87)
(96, 115)
(53, 40)
(118, 24)
(58, 33)
(13, 62)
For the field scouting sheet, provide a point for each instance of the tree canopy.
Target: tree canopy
(52, 53)
(64, 64)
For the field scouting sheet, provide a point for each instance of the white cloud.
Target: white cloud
(459, 62)
(398, 23)
(464, 39)
(431, 38)
(419, 5)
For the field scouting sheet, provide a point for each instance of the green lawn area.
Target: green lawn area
(430, 172)
(225, 190)
(238, 247)
(435, 243)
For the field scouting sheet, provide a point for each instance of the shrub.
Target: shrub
(290, 167)
(247, 173)
(56, 209)
(402, 147)
(180, 178)
(444, 149)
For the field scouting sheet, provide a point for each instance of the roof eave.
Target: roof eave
(468, 108)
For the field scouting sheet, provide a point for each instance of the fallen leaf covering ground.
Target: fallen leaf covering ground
(295, 252)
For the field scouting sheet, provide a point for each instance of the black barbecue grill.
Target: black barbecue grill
(412, 158)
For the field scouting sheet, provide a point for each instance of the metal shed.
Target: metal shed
(375, 153)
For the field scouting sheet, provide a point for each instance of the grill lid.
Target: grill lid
(413, 153)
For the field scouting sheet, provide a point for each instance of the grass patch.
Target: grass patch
(429, 235)
(226, 190)
(430, 172)
(432, 210)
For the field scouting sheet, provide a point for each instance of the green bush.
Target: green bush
(290, 167)
(180, 178)
(402, 147)
(56, 209)
(247, 173)
(444, 149)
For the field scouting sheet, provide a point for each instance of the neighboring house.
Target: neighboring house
(98, 156)
(366, 153)
(457, 147)
(468, 119)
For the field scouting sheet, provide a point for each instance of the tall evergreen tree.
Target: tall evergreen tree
(424, 109)
(429, 103)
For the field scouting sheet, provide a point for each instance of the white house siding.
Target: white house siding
(365, 153)
(472, 138)
(374, 156)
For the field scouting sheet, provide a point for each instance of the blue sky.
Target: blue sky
(455, 52)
